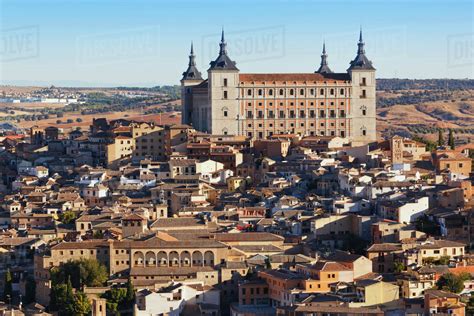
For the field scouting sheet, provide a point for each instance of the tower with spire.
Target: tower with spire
(260, 105)
(363, 112)
(223, 91)
(191, 77)
(324, 68)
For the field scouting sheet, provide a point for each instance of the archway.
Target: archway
(173, 259)
(185, 259)
(197, 258)
(138, 259)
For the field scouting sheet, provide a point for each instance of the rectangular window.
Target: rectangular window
(225, 113)
(225, 94)
(225, 82)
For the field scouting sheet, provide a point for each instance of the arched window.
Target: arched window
(321, 92)
(260, 92)
(249, 92)
(301, 91)
(332, 91)
(225, 112)
(270, 92)
(281, 92)
(342, 91)
(292, 92)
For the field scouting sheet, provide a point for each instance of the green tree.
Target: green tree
(440, 137)
(452, 282)
(130, 298)
(443, 260)
(30, 291)
(81, 305)
(89, 272)
(398, 267)
(68, 217)
(116, 299)
(7, 291)
(451, 139)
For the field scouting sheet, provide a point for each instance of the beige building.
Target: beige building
(322, 103)
(120, 150)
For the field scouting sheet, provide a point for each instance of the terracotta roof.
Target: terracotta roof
(384, 247)
(155, 271)
(224, 237)
(285, 77)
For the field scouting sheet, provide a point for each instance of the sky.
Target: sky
(146, 43)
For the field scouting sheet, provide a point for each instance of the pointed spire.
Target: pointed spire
(324, 68)
(361, 44)
(192, 61)
(192, 73)
(223, 50)
(223, 61)
(361, 61)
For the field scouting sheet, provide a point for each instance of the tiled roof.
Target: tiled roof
(315, 77)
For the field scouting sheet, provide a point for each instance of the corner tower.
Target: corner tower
(363, 108)
(223, 83)
(191, 77)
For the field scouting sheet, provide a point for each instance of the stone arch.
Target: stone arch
(185, 259)
(208, 258)
(138, 259)
(150, 259)
(197, 258)
(173, 259)
(162, 259)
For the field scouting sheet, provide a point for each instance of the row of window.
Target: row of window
(292, 114)
(301, 124)
(301, 103)
(311, 133)
(292, 92)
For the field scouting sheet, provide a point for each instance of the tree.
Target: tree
(7, 291)
(67, 217)
(30, 291)
(452, 282)
(443, 260)
(130, 298)
(89, 272)
(451, 139)
(440, 137)
(81, 304)
(398, 267)
(116, 299)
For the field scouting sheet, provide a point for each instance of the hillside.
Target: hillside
(421, 107)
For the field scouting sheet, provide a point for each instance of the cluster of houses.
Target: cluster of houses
(226, 225)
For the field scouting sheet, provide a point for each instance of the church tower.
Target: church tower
(223, 82)
(363, 111)
(191, 77)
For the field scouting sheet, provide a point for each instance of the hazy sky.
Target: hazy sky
(139, 42)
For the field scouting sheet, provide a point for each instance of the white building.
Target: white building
(173, 299)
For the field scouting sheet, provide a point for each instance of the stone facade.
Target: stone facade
(322, 103)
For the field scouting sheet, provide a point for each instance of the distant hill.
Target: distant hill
(421, 107)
